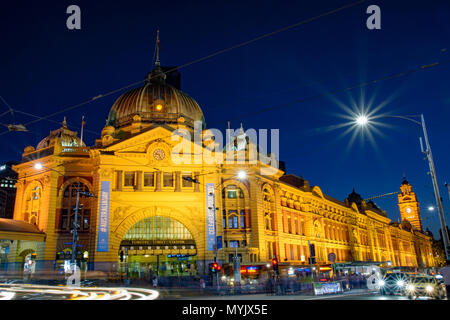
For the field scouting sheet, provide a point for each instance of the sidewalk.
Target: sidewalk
(264, 296)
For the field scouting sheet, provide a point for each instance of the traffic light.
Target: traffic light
(214, 267)
(312, 260)
(121, 256)
(275, 264)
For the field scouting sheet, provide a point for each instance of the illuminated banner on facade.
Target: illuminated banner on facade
(103, 217)
(210, 217)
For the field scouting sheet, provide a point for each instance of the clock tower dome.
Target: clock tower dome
(408, 205)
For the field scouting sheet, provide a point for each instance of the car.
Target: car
(393, 283)
(425, 286)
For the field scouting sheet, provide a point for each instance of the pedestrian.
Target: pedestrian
(445, 272)
(202, 285)
(155, 282)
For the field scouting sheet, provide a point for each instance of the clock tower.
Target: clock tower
(408, 205)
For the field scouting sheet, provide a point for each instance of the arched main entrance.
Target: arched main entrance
(158, 245)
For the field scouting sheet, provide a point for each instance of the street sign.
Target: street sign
(332, 257)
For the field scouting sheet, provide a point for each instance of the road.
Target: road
(41, 292)
(350, 295)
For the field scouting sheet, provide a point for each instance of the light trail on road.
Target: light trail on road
(14, 291)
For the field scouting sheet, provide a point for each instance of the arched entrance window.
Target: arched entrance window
(68, 208)
(158, 246)
(159, 229)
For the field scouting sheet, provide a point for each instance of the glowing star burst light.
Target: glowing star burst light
(38, 166)
(362, 120)
(242, 175)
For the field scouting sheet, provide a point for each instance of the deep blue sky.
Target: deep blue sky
(45, 67)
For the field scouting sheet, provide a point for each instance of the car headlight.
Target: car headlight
(400, 283)
(381, 283)
(410, 287)
(429, 288)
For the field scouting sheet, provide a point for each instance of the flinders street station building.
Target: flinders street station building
(140, 210)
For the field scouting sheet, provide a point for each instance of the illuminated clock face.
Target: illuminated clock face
(408, 210)
(159, 154)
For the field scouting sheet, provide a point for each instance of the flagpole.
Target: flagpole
(82, 127)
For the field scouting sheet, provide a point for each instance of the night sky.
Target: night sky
(45, 68)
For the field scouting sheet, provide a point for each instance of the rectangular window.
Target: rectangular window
(85, 223)
(168, 179)
(242, 219)
(149, 179)
(186, 180)
(64, 219)
(224, 219)
(234, 244)
(129, 179)
(86, 214)
(232, 194)
(289, 223)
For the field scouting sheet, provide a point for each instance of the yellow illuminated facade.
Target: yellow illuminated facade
(157, 207)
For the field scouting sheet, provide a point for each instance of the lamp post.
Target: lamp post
(39, 166)
(362, 120)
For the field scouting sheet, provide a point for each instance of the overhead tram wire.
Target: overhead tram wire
(358, 85)
(54, 121)
(202, 59)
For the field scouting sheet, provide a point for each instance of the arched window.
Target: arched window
(269, 208)
(317, 231)
(233, 197)
(32, 206)
(68, 208)
(268, 219)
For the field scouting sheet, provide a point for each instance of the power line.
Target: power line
(330, 12)
(54, 121)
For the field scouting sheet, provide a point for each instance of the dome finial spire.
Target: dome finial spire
(157, 62)
(157, 75)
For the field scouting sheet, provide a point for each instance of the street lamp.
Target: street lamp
(242, 175)
(362, 120)
(39, 166)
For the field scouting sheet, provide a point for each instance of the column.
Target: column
(119, 180)
(138, 186)
(196, 185)
(158, 181)
(177, 181)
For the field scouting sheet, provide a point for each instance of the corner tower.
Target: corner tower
(408, 205)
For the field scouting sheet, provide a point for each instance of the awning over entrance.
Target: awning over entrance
(19, 230)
